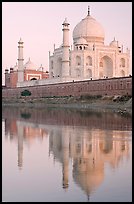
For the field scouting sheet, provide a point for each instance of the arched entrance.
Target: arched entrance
(89, 61)
(78, 60)
(122, 73)
(78, 73)
(89, 73)
(33, 79)
(106, 67)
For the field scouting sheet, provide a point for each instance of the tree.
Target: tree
(25, 93)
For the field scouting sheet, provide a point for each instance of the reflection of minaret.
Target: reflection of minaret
(88, 197)
(7, 127)
(20, 145)
(65, 169)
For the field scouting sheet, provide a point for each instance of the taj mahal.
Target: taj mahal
(88, 58)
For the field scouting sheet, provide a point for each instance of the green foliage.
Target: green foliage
(122, 98)
(87, 96)
(25, 93)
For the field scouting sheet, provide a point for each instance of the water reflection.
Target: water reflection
(88, 140)
(89, 151)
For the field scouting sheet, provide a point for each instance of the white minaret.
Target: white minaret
(20, 61)
(65, 56)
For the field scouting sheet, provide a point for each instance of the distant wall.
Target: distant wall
(110, 86)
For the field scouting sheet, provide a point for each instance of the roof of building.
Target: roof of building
(90, 29)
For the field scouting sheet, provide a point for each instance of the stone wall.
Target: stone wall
(109, 86)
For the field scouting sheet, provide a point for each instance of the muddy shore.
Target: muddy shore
(115, 103)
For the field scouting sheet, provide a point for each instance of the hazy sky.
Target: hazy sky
(39, 24)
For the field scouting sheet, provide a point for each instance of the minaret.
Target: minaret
(65, 56)
(7, 78)
(20, 62)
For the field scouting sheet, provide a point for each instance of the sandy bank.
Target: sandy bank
(107, 103)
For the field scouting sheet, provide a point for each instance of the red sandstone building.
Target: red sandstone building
(31, 72)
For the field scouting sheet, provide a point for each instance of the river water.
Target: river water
(66, 155)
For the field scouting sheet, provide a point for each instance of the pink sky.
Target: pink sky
(39, 24)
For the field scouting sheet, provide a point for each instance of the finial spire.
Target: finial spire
(65, 22)
(88, 10)
(20, 39)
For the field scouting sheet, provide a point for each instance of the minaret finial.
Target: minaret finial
(20, 39)
(88, 10)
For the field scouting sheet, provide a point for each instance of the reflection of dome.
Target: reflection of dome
(30, 65)
(89, 29)
(87, 177)
(87, 182)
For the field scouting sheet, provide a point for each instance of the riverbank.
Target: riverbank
(121, 104)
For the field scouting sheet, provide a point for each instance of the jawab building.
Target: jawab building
(88, 58)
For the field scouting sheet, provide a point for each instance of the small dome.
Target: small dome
(81, 41)
(114, 43)
(41, 68)
(15, 68)
(30, 65)
(89, 29)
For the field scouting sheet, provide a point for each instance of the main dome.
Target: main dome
(89, 29)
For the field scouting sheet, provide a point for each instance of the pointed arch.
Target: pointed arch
(122, 62)
(106, 68)
(101, 64)
(89, 73)
(78, 60)
(78, 73)
(101, 74)
(89, 61)
(122, 72)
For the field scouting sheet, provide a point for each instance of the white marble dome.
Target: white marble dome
(30, 65)
(89, 29)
